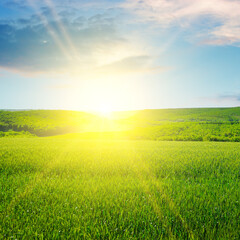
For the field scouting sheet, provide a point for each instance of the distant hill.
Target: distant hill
(44, 122)
(195, 124)
(189, 114)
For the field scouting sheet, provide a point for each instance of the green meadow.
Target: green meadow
(54, 188)
(196, 124)
(73, 175)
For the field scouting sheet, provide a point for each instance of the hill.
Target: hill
(196, 124)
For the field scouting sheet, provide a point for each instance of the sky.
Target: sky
(119, 54)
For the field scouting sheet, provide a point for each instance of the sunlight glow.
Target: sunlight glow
(105, 110)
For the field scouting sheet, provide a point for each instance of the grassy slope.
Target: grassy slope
(190, 114)
(68, 189)
(211, 124)
(45, 122)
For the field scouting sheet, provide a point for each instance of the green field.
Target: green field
(66, 188)
(196, 124)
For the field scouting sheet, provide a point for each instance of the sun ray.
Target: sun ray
(153, 183)
(51, 31)
(63, 30)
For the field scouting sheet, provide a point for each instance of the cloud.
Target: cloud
(228, 99)
(61, 86)
(136, 64)
(215, 22)
(14, 4)
(46, 43)
(230, 96)
(60, 37)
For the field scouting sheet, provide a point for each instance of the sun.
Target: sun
(105, 109)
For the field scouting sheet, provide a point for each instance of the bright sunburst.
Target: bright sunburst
(105, 109)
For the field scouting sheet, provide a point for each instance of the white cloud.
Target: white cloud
(219, 19)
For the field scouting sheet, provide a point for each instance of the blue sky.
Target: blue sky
(126, 55)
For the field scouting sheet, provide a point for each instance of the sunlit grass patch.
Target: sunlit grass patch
(71, 188)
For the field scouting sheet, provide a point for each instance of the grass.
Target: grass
(196, 124)
(55, 188)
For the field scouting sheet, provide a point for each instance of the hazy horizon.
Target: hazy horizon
(96, 111)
